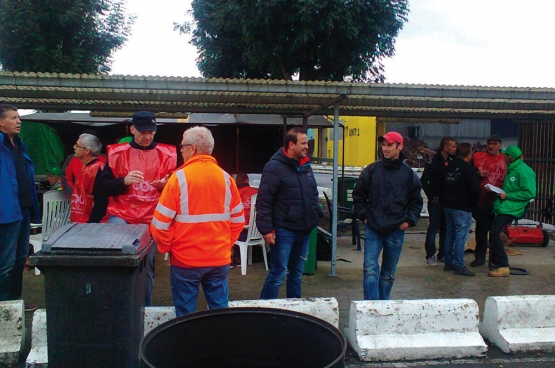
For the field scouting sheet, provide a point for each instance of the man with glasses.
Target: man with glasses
(19, 205)
(134, 176)
(491, 169)
(88, 204)
(198, 219)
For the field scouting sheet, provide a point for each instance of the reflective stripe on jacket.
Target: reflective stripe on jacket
(199, 216)
(137, 204)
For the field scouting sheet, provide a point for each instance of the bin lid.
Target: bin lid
(129, 239)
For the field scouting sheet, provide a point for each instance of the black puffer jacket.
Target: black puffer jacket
(386, 194)
(287, 196)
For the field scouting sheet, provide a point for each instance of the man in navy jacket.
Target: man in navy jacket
(387, 199)
(19, 204)
(287, 210)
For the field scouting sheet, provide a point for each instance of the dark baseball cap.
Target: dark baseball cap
(144, 120)
(494, 138)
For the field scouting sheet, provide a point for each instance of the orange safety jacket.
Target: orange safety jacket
(137, 204)
(199, 216)
(82, 199)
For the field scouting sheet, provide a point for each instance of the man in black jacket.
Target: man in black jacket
(460, 194)
(387, 199)
(287, 210)
(432, 180)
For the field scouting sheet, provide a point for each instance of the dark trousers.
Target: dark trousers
(497, 255)
(484, 218)
(437, 224)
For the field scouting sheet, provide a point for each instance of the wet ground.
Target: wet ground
(414, 280)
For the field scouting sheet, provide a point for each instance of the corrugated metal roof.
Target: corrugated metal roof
(285, 98)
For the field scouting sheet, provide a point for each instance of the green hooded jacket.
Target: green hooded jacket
(520, 188)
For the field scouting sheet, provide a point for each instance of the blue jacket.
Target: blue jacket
(10, 211)
(287, 196)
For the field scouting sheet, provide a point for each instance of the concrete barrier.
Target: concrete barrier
(38, 356)
(520, 323)
(414, 329)
(12, 331)
(323, 308)
(155, 316)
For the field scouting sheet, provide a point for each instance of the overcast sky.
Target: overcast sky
(450, 42)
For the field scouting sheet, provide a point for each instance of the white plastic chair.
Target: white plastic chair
(253, 238)
(55, 214)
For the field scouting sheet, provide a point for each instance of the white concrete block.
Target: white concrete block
(414, 329)
(155, 316)
(323, 308)
(38, 356)
(520, 323)
(12, 331)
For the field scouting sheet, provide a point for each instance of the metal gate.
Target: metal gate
(537, 142)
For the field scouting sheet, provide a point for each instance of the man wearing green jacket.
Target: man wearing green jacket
(520, 188)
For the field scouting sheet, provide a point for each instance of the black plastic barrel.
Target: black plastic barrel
(244, 337)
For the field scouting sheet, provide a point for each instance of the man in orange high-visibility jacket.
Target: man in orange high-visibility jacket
(197, 220)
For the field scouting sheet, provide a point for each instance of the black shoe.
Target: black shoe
(463, 272)
(448, 267)
(477, 263)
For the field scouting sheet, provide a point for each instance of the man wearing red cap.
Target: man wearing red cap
(387, 199)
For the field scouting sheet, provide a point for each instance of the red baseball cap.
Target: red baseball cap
(391, 137)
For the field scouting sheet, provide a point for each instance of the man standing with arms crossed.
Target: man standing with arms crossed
(134, 176)
(491, 170)
(198, 219)
(387, 199)
(287, 209)
(19, 205)
(432, 183)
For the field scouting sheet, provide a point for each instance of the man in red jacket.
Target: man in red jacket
(88, 204)
(491, 169)
(134, 176)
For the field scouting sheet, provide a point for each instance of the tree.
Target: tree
(332, 40)
(62, 36)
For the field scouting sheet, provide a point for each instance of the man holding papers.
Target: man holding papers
(519, 188)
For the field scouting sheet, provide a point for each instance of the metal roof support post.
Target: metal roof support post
(334, 186)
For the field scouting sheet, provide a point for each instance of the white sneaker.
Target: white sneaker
(432, 261)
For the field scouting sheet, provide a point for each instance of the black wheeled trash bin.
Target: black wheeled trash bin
(94, 281)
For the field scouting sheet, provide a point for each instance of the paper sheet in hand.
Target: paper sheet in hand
(494, 189)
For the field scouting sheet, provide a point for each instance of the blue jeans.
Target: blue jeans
(149, 263)
(378, 282)
(458, 224)
(14, 248)
(437, 224)
(185, 287)
(287, 257)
